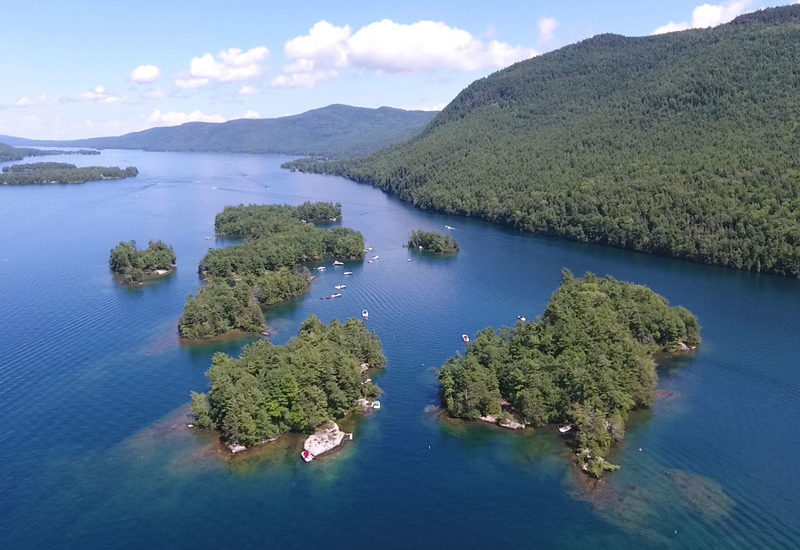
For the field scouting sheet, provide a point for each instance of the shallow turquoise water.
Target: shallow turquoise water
(93, 379)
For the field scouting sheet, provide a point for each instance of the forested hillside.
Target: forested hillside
(332, 131)
(684, 144)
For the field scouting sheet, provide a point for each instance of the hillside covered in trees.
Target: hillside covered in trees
(588, 360)
(270, 390)
(332, 131)
(266, 268)
(61, 172)
(133, 265)
(683, 144)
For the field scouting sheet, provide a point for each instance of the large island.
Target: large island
(271, 390)
(266, 268)
(586, 363)
(61, 172)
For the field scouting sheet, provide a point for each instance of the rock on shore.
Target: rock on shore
(326, 438)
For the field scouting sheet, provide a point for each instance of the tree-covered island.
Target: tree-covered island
(132, 265)
(267, 267)
(587, 361)
(61, 172)
(270, 390)
(8, 153)
(431, 241)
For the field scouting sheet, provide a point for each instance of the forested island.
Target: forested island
(132, 265)
(270, 390)
(266, 268)
(8, 153)
(587, 361)
(432, 241)
(681, 144)
(61, 172)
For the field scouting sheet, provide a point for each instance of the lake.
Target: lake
(94, 385)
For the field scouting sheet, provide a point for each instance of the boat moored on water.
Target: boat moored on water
(347, 273)
(565, 428)
(321, 268)
(337, 263)
(450, 227)
(465, 338)
(305, 455)
(340, 287)
(364, 314)
(376, 405)
(521, 318)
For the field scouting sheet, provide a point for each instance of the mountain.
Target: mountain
(684, 144)
(332, 131)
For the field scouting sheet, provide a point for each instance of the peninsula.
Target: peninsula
(266, 268)
(431, 241)
(61, 172)
(8, 153)
(132, 265)
(586, 363)
(271, 390)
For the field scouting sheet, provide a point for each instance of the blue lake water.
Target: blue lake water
(94, 382)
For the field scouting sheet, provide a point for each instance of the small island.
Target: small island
(8, 153)
(271, 390)
(431, 241)
(585, 364)
(266, 268)
(61, 172)
(131, 265)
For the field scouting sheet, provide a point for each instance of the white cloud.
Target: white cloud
(145, 73)
(251, 114)
(389, 47)
(708, 15)
(174, 118)
(248, 90)
(231, 65)
(190, 83)
(156, 93)
(547, 29)
(40, 100)
(101, 95)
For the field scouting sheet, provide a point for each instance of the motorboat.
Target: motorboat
(321, 268)
(521, 318)
(565, 428)
(307, 456)
(465, 338)
(365, 314)
(347, 273)
(450, 227)
(340, 287)
(337, 262)
(376, 405)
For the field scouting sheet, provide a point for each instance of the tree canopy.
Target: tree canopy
(270, 390)
(432, 241)
(588, 360)
(682, 144)
(61, 172)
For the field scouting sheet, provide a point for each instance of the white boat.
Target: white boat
(376, 405)
(450, 227)
(321, 268)
(347, 273)
(307, 456)
(337, 262)
(376, 257)
(565, 428)
(521, 318)
(465, 338)
(340, 287)
(336, 295)
(365, 314)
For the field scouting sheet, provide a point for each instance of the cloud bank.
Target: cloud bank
(708, 15)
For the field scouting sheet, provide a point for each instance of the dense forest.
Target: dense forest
(270, 390)
(588, 361)
(8, 153)
(61, 172)
(133, 265)
(332, 131)
(682, 144)
(266, 266)
(432, 241)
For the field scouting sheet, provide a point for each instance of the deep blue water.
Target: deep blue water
(93, 381)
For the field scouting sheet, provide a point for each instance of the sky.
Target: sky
(97, 68)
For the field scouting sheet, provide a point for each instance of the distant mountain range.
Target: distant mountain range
(332, 131)
(684, 144)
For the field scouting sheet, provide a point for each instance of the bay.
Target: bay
(94, 382)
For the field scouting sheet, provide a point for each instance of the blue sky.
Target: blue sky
(81, 69)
